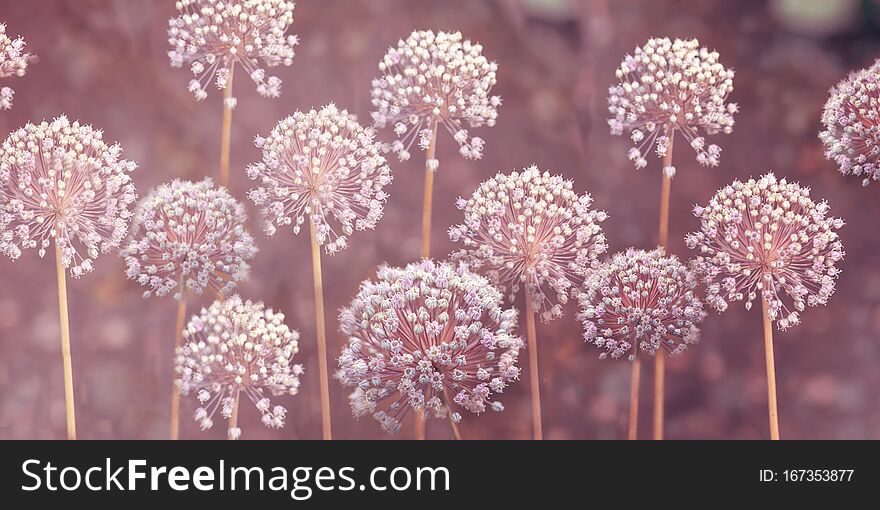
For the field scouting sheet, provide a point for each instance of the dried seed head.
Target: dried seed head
(236, 349)
(640, 301)
(433, 80)
(214, 35)
(852, 124)
(423, 335)
(13, 62)
(531, 229)
(59, 180)
(324, 165)
(767, 239)
(189, 235)
(668, 87)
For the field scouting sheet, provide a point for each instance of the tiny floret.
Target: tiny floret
(188, 235)
(767, 239)
(427, 337)
(433, 80)
(639, 302)
(530, 229)
(59, 181)
(322, 165)
(235, 350)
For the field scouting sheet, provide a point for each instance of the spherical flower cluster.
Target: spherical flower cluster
(427, 337)
(767, 237)
(531, 229)
(640, 301)
(215, 35)
(238, 348)
(59, 180)
(852, 124)
(189, 235)
(667, 87)
(435, 80)
(324, 165)
(13, 62)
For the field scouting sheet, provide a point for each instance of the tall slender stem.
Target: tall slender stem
(660, 359)
(455, 430)
(531, 333)
(771, 373)
(420, 425)
(226, 134)
(178, 339)
(65, 344)
(633, 432)
(233, 418)
(321, 331)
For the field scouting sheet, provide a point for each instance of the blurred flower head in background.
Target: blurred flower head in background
(530, 229)
(435, 80)
(852, 124)
(640, 301)
(238, 348)
(767, 237)
(212, 36)
(324, 165)
(188, 235)
(13, 62)
(59, 180)
(424, 337)
(668, 87)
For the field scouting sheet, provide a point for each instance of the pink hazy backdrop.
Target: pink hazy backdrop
(104, 62)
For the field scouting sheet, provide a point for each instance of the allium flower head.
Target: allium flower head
(324, 165)
(640, 301)
(13, 62)
(215, 35)
(236, 349)
(435, 79)
(423, 335)
(667, 87)
(59, 180)
(531, 229)
(189, 235)
(852, 124)
(767, 239)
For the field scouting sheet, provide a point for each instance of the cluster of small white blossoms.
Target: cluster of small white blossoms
(59, 180)
(767, 237)
(238, 348)
(640, 301)
(214, 35)
(13, 62)
(431, 80)
(531, 229)
(188, 236)
(852, 124)
(324, 165)
(667, 87)
(422, 336)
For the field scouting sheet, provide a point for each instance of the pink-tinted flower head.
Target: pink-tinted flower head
(215, 35)
(669, 87)
(530, 229)
(435, 79)
(852, 124)
(59, 181)
(13, 62)
(767, 239)
(423, 335)
(638, 302)
(189, 235)
(236, 350)
(324, 165)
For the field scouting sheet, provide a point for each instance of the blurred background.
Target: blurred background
(104, 62)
